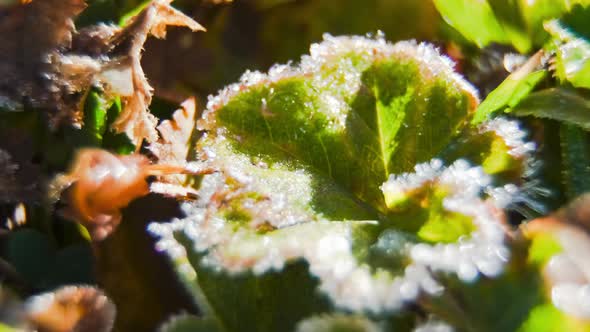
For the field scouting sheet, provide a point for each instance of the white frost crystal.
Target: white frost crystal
(483, 251)
(512, 134)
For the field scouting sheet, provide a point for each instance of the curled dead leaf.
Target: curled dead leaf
(100, 184)
(71, 309)
(135, 120)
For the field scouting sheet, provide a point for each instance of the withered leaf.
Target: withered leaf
(135, 121)
(71, 309)
(33, 33)
(60, 64)
(99, 184)
(172, 148)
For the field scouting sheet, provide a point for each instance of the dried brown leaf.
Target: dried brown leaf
(59, 64)
(175, 136)
(173, 149)
(135, 120)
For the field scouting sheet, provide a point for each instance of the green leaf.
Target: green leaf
(132, 12)
(557, 104)
(95, 117)
(515, 22)
(119, 143)
(577, 19)
(99, 115)
(542, 248)
(474, 19)
(547, 318)
(36, 258)
(113, 11)
(31, 254)
(444, 226)
(523, 20)
(508, 94)
(492, 304)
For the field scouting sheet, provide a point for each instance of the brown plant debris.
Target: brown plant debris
(101, 184)
(71, 309)
(33, 33)
(135, 121)
(16, 184)
(173, 147)
(60, 64)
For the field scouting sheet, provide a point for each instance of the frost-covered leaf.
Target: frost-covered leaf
(66, 309)
(353, 117)
(348, 181)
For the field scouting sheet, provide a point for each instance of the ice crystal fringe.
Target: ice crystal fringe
(326, 246)
(432, 63)
(483, 251)
(512, 134)
(526, 196)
